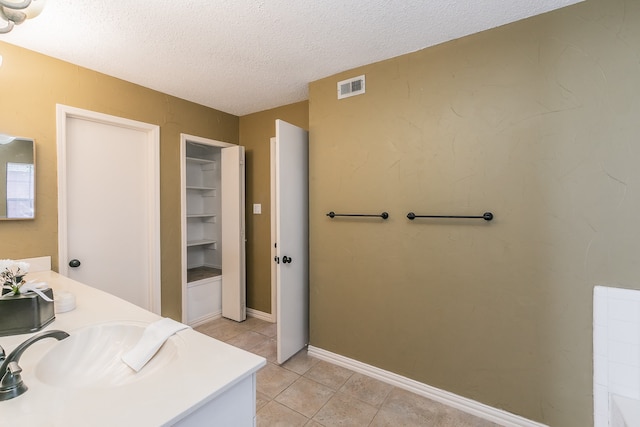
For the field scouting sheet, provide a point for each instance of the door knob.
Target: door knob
(286, 259)
(74, 263)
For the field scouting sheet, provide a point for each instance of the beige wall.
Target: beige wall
(32, 84)
(256, 131)
(538, 122)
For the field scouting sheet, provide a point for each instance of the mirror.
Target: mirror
(17, 178)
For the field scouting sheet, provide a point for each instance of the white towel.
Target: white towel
(152, 339)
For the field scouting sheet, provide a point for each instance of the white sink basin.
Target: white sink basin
(91, 357)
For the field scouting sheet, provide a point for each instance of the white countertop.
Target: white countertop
(204, 369)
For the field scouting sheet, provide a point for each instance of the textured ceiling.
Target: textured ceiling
(243, 56)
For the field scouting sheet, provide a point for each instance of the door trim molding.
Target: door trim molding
(65, 112)
(274, 225)
(267, 317)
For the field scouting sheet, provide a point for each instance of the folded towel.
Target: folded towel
(152, 339)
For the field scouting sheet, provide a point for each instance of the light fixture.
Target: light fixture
(15, 12)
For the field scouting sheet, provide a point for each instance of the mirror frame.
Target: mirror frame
(3, 215)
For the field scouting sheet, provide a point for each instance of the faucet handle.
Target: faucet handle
(11, 384)
(14, 368)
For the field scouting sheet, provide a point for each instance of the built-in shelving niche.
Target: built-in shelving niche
(202, 218)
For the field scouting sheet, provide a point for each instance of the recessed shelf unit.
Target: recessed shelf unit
(202, 180)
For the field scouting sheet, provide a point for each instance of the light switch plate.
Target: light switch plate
(257, 208)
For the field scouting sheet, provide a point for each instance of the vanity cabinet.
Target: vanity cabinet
(204, 382)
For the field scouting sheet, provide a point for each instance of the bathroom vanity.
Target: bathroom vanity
(193, 380)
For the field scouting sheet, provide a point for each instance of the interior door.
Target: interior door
(292, 238)
(108, 203)
(233, 233)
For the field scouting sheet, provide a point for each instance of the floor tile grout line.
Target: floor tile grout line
(227, 325)
(283, 404)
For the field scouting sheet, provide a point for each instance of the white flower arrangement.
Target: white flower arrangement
(12, 275)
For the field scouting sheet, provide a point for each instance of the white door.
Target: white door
(108, 182)
(292, 238)
(233, 234)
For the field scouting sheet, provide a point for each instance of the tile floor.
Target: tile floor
(306, 391)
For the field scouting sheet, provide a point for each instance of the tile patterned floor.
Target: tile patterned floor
(306, 391)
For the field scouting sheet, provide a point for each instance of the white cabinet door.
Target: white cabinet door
(292, 238)
(233, 234)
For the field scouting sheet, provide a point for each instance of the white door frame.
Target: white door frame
(184, 138)
(274, 230)
(64, 112)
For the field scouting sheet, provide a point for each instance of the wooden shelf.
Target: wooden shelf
(203, 242)
(199, 273)
(199, 160)
(199, 188)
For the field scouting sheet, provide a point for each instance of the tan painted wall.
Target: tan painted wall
(32, 84)
(538, 122)
(256, 131)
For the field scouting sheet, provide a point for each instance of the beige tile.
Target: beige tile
(284, 398)
(305, 396)
(332, 376)
(367, 389)
(272, 379)
(301, 362)
(274, 414)
(408, 409)
(247, 340)
(344, 410)
(456, 418)
(267, 349)
(221, 329)
(252, 322)
(207, 326)
(261, 400)
(268, 329)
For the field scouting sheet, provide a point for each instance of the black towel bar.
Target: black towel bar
(383, 215)
(487, 216)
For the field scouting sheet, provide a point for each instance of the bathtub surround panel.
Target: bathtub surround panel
(616, 351)
(625, 412)
(536, 122)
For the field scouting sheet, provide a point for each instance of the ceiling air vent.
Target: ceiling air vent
(351, 87)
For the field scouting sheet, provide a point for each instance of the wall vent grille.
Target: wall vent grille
(351, 87)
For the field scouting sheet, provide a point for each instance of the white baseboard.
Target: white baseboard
(469, 406)
(218, 314)
(267, 317)
(205, 319)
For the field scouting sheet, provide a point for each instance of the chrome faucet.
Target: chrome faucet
(11, 384)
